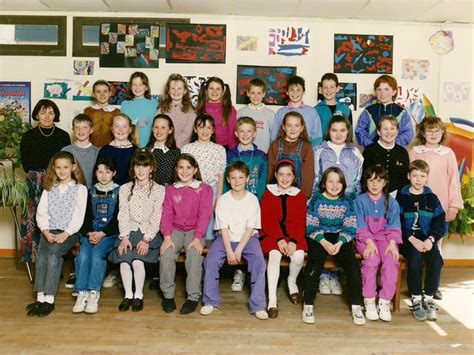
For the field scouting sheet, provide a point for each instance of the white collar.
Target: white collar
(195, 184)
(277, 191)
(128, 144)
(441, 150)
(163, 147)
(384, 147)
(259, 107)
(240, 149)
(108, 108)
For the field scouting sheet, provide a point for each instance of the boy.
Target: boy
(237, 217)
(257, 163)
(329, 107)
(295, 91)
(101, 114)
(422, 220)
(257, 110)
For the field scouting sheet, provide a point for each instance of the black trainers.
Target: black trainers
(154, 284)
(71, 280)
(437, 295)
(188, 307)
(168, 305)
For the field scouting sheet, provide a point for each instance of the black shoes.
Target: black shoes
(437, 295)
(40, 309)
(137, 305)
(125, 304)
(154, 284)
(188, 307)
(168, 305)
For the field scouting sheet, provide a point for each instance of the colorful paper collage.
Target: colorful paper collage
(83, 67)
(288, 41)
(347, 94)
(17, 96)
(274, 77)
(195, 43)
(246, 43)
(119, 92)
(82, 90)
(457, 92)
(363, 53)
(56, 90)
(194, 85)
(415, 69)
(366, 100)
(129, 46)
(408, 95)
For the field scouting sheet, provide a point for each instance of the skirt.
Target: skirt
(132, 254)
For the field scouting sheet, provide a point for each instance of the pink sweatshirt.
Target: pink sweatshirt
(224, 134)
(443, 178)
(186, 208)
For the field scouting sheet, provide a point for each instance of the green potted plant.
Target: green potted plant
(463, 223)
(12, 128)
(13, 191)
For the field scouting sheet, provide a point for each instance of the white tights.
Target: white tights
(138, 275)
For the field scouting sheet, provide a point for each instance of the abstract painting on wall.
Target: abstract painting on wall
(195, 43)
(129, 45)
(83, 67)
(246, 43)
(457, 92)
(363, 53)
(119, 92)
(347, 94)
(82, 90)
(194, 85)
(288, 41)
(274, 77)
(415, 69)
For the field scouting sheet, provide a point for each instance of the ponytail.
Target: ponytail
(226, 104)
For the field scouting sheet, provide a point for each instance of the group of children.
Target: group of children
(166, 180)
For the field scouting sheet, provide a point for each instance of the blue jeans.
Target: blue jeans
(91, 262)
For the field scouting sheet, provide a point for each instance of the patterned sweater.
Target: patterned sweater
(326, 215)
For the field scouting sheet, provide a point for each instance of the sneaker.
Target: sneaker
(370, 309)
(71, 280)
(437, 295)
(239, 279)
(418, 310)
(92, 302)
(357, 315)
(81, 302)
(430, 309)
(262, 315)
(308, 315)
(384, 310)
(110, 281)
(334, 285)
(207, 309)
(324, 287)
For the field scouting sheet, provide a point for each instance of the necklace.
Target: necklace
(251, 158)
(46, 135)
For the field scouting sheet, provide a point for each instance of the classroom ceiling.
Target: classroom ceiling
(460, 11)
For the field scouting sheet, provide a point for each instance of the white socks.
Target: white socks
(41, 297)
(296, 263)
(127, 277)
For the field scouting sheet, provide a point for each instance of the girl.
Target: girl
(140, 107)
(139, 221)
(120, 149)
(176, 102)
(377, 236)
(59, 217)
(389, 154)
(211, 158)
(186, 212)
(98, 235)
(293, 143)
(444, 179)
(37, 147)
(330, 227)
(386, 89)
(163, 147)
(283, 208)
(214, 99)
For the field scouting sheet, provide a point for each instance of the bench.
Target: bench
(330, 263)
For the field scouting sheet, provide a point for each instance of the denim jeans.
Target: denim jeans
(91, 263)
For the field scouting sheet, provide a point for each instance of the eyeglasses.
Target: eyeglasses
(433, 131)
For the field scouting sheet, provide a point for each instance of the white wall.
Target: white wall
(410, 41)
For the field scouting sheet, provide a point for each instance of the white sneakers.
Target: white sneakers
(262, 315)
(110, 280)
(381, 311)
(239, 279)
(335, 286)
(329, 284)
(81, 302)
(324, 287)
(308, 315)
(207, 309)
(357, 315)
(87, 301)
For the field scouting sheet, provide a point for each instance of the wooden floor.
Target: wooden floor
(229, 330)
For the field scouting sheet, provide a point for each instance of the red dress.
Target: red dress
(283, 217)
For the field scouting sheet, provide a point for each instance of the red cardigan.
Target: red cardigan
(295, 221)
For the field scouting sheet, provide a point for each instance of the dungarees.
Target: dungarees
(294, 156)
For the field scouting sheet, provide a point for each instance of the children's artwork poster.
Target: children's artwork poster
(56, 90)
(194, 85)
(246, 43)
(457, 92)
(460, 140)
(415, 69)
(408, 95)
(195, 43)
(362, 54)
(82, 90)
(442, 42)
(366, 100)
(118, 92)
(16, 95)
(347, 94)
(275, 78)
(288, 41)
(83, 67)
(129, 45)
